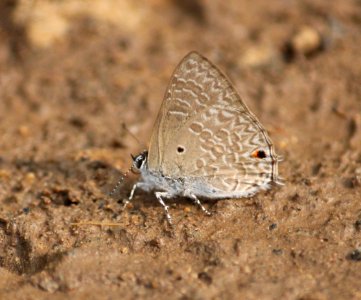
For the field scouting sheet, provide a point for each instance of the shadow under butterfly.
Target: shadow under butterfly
(206, 143)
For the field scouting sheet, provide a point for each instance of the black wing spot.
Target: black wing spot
(261, 154)
(180, 149)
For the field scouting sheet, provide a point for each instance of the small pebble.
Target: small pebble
(246, 269)
(187, 209)
(258, 56)
(277, 251)
(4, 174)
(48, 284)
(24, 131)
(205, 277)
(355, 255)
(306, 41)
(30, 177)
(124, 250)
(46, 200)
(272, 226)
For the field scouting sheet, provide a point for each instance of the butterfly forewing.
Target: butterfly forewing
(204, 131)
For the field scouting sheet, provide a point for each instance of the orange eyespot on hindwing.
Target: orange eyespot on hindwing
(259, 154)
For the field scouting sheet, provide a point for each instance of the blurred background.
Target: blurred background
(72, 72)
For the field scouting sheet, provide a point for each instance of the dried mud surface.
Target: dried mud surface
(72, 72)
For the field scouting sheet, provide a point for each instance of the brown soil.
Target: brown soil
(72, 72)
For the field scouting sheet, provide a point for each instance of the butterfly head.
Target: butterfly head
(139, 162)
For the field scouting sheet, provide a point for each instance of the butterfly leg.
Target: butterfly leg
(139, 184)
(197, 202)
(159, 196)
(126, 202)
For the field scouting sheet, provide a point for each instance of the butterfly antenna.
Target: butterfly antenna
(120, 181)
(124, 126)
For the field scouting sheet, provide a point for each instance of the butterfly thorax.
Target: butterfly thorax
(155, 180)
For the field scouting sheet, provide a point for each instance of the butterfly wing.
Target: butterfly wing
(205, 131)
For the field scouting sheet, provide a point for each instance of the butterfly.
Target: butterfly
(206, 143)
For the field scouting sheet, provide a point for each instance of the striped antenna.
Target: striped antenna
(120, 181)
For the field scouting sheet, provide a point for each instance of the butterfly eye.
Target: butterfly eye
(259, 154)
(138, 161)
(180, 149)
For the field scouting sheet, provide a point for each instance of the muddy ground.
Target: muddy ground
(72, 72)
